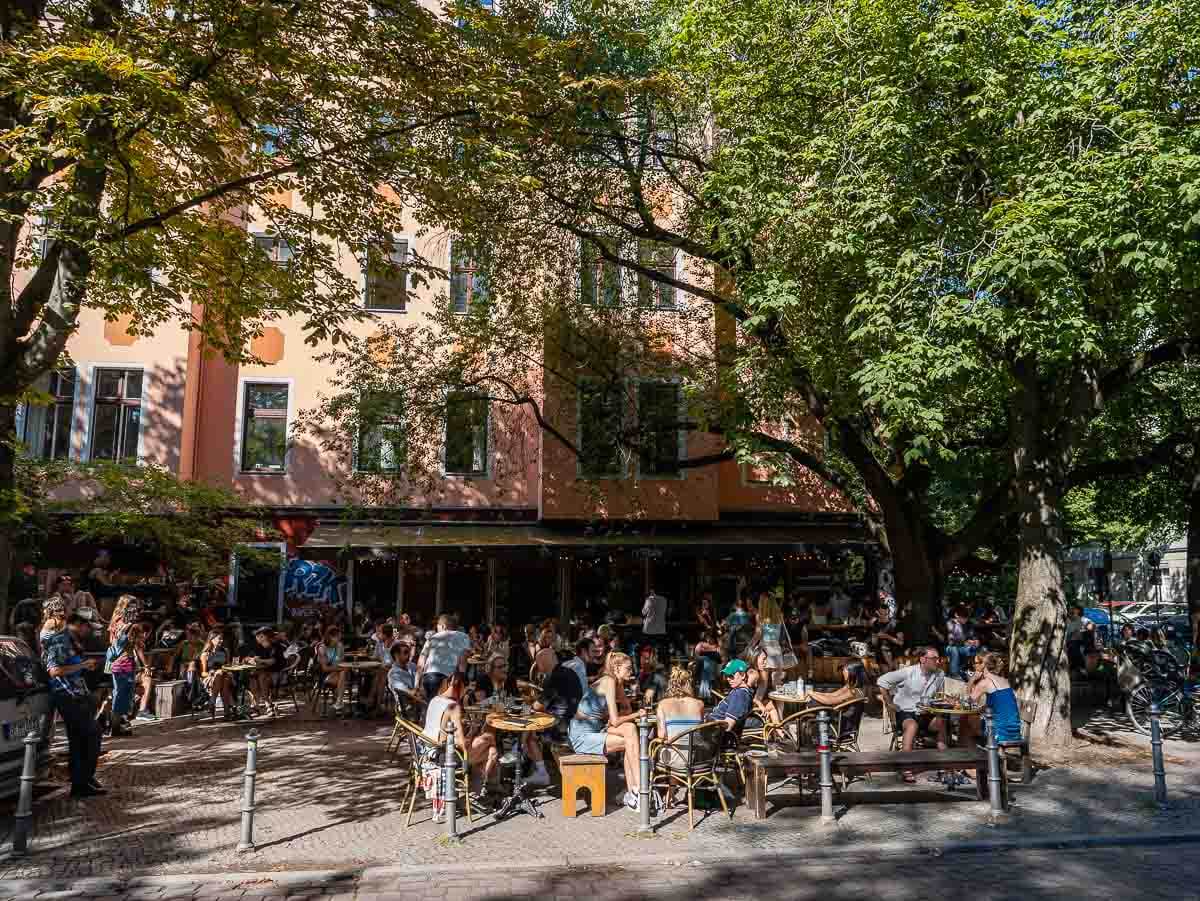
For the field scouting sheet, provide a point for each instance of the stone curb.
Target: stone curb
(375, 874)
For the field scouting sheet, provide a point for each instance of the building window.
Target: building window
(46, 429)
(600, 278)
(659, 433)
(466, 434)
(387, 277)
(264, 428)
(380, 434)
(117, 415)
(651, 292)
(601, 422)
(468, 280)
(277, 249)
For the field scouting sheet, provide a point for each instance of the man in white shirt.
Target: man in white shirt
(910, 688)
(442, 655)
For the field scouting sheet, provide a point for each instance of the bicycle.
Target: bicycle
(1163, 682)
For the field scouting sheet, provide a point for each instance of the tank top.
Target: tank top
(1006, 714)
(433, 716)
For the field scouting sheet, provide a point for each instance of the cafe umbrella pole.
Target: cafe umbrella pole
(20, 839)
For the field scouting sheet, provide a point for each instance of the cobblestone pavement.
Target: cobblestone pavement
(1145, 873)
(329, 798)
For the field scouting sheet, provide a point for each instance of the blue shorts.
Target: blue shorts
(587, 742)
(122, 697)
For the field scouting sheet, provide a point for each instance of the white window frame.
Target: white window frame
(354, 462)
(364, 280)
(487, 434)
(89, 391)
(239, 418)
(654, 286)
(579, 473)
(681, 434)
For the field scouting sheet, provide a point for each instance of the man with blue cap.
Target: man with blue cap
(739, 703)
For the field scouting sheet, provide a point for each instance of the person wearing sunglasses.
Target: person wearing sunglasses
(909, 688)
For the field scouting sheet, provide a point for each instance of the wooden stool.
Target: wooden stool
(583, 771)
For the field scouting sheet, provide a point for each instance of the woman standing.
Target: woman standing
(603, 722)
(120, 661)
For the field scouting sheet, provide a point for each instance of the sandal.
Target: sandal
(910, 778)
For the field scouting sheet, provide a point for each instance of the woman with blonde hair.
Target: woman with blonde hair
(603, 722)
(680, 709)
(988, 684)
(121, 660)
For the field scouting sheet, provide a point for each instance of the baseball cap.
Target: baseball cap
(735, 666)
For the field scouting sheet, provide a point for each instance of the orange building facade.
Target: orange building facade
(533, 543)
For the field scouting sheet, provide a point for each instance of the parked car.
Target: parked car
(1132, 613)
(24, 706)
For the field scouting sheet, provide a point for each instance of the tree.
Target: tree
(953, 235)
(138, 137)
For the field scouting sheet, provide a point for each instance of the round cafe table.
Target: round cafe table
(241, 679)
(518, 725)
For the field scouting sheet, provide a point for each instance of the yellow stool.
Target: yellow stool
(583, 771)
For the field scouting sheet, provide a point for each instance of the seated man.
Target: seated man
(402, 676)
(738, 705)
(909, 688)
(561, 693)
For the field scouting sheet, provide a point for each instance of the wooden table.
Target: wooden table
(518, 725)
(356, 669)
(948, 714)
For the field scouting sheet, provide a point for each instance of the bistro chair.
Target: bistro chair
(408, 709)
(290, 682)
(889, 721)
(420, 746)
(1028, 711)
(734, 750)
(689, 760)
(800, 730)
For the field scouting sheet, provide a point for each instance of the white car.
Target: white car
(24, 706)
(1142, 609)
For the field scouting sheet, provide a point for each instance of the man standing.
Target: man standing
(910, 688)
(71, 697)
(654, 620)
(442, 655)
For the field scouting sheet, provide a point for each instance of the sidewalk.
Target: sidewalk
(328, 799)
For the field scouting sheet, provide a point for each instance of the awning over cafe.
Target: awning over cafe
(693, 539)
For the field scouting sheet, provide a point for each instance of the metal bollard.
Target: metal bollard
(450, 785)
(644, 775)
(24, 815)
(247, 842)
(826, 755)
(1156, 752)
(995, 776)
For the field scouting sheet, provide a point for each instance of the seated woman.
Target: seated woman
(680, 709)
(476, 747)
(853, 688)
(603, 722)
(216, 680)
(988, 682)
(329, 653)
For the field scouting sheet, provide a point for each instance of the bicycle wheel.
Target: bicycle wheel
(1170, 702)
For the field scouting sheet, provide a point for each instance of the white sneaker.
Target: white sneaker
(631, 801)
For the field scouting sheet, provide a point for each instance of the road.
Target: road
(1145, 872)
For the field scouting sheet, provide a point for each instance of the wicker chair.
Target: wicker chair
(419, 745)
(409, 708)
(689, 760)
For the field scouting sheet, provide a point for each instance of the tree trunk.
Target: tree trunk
(9, 510)
(1037, 653)
(1193, 540)
(918, 575)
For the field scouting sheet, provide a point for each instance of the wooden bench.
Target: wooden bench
(864, 763)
